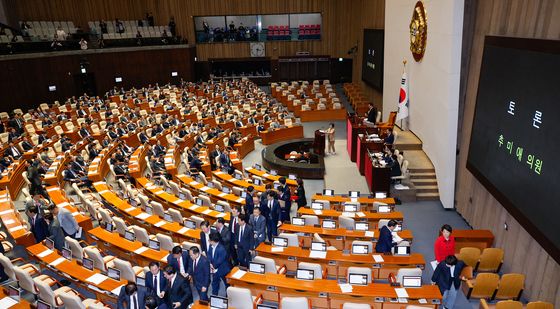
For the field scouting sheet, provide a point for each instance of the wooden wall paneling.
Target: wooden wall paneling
(523, 254)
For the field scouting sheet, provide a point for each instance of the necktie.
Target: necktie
(194, 267)
(135, 300)
(155, 283)
(241, 234)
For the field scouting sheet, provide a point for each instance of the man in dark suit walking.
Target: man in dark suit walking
(447, 276)
(199, 272)
(179, 260)
(372, 113)
(224, 232)
(178, 293)
(285, 199)
(131, 297)
(244, 242)
(385, 242)
(258, 224)
(204, 237)
(156, 282)
(39, 226)
(274, 216)
(219, 264)
(249, 200)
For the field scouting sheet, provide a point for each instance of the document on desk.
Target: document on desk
(207, 211)
(239, 200)
(194, 207)
(353, 199)
(140, 250)
(361, 214)
(239, 274)
(160, 223)
(57, 261)
(44, 253)
(178, 201)
(143, 216)
(15, 228)
(369, 234)
(378, 258)
(129, 209)
(318, 212)
(10, 221)
(348, 214)
(422, 301)
(8, 302)
(183, 230)
(401, 292)
(97, 278)
(222, 194)
(63, 204)
(396, 237)
(277, 249)
(7, 211)
(117, 290)
(434, 264)
(193, 183)
(345, 287)
(220, 215)
(204, 188)
(317, 254)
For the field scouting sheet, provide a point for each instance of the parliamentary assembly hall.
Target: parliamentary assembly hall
(291, 154)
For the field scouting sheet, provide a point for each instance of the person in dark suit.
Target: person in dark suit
(195, 164)
(390, 139)
(151, 302)
(258, 223)
(219, 264)
(143, 137)
(371, 113)
(395, 166)
(72, 177)
(199, 272)
(204, 237)
(156, 282)
(249, 200)
(285, 199)
(131, 297)
(225, 235)
(225, 162)
(447, 276)
(34, 177)
(300, 192)
(385, 242)
(55, 231)
(178, 293)
(13, 151)
(39, 226)
(215, 153)
(26, 144)
(244, 242)
(84, 131)
(179, 260)
(158, 149)
(233, 226)
(274, 217)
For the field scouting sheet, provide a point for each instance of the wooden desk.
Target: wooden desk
(368, 216)
(105, 290)
(133, 251)
(363, 147)
(340, 238)
(214, 193)
(340, 199)
(337, 263)
(225, 177)
(353, 126)
(23, 304)
(13, 222)
(13, 180)
(59, 198)
(473, 238)
(246, 145)
(377, 177)
(322, 115)
(326, 293)
(271, 178)
(282, 134)
(99, 167)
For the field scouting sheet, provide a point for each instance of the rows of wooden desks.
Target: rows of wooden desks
(322, 115)
(372, 217)
(339, 238)
(213, 193)
(325, 293)
(337, 262)
(227, 178)
(283, 134)
(269, 177)
(340, 199)
(104, 287)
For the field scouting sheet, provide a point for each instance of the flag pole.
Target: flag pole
(403, 70)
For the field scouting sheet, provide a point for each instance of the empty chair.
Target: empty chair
(106, 216)
(187, 245)
(318, 238)
(205, 200)
(128, 272)
(295, 303)
(510, 287)
(175, 215)
(326, 203)
(217, 184)
(157, 209)
(174, 188)
(491, 260)
(9, 267)
(27, 283)
(315, 267)
(292, 239)
(270, 265)
(360, 271)
(345, 222)
(197, 220)
(311, 220)
(382, 223)
(241, 298)
(141, 234)
(504, 304)
(49, 296)
(99, 262)
(483, 286)
(356, 306)
(165, 242)
(470, 255)
(369, 244)
(75, 247)
(120, 225)
(225, 205)
(72, 301)
(539, 305)
(415, 272)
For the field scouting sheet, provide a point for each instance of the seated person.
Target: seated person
(385, 242)
(395, 166)
(72, 177)
(390, 139)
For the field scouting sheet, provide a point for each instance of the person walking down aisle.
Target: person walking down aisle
(330, 138)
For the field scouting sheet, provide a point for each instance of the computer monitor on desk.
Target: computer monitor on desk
(217, 302)
(298, 221)
(350, 207)
(317, 206)
(357, 279)
(190, 224)
(329, 224)
(273, 172)
(318, 246)
(140, 281)
(328, 192)
(280, 242)
(292, 176)
(380, 194)
(67, 254)
(305, 274)
(412, 281)
(87, 263)
(14, 292)
(128, 235)
(361, 226)
(114, 273)
(360, 249)
(402, 250)
(354, 194)
(383, 208)
(256, 268)
(154, 244)
(49, 243)
(43, 305)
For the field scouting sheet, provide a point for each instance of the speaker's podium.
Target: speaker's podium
(319, 142)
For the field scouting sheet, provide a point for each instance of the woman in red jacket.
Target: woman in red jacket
(445, 244)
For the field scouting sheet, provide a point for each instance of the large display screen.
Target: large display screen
(372, 60)
(515, 142)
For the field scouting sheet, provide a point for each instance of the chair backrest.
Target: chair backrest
(8, 267)
(165, 242)
(176, 215)
(485, 285)
(292, 239)
(120, 225)
(187, 245)
(510, 287)
(198, 220)
(315, 267)
(95, 256)
(205, 200)
(105, 215)
(360, 271)
(25, 281)
(295, 303)
(144, 200)
(127, 273)
(509, 304)
(382, 223)
(491, 259)
(46, 293)
(71, 301)
(326, 204)
(225, 205)
(269, 264)
(141, 235)
(311, 220)
(539, 305)
(369, 244)
(239, 297)
(470, 255)
(74, 245)
(346, 222)
(407, 272)
(356, 306)
(217, 184)
(174, 188)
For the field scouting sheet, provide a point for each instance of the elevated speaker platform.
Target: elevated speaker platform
(274, 157)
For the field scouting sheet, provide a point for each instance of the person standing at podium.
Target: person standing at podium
(372, 113)
(330, 138)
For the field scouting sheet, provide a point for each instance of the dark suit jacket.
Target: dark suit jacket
(274, 214)
(226, 237)
(40, 229)
(123, 298)
(372, 115)
(219, 260)
(180, 291)
(249, 205)
(442, 276)
(173, 261)
(203, 244)
(259, 228)
(385, 241)
(224, 160)
(150, 283)
(57, 234)
(84, 133)
(200, 275)
(26, 145)
(247, 241)
(301, 200)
